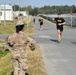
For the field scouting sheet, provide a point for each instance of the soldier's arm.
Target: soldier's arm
(64, 23)
(31, 40)
(32, 43)
(9, 41)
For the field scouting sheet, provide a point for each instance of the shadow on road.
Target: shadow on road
(73, 43)
(54, 40)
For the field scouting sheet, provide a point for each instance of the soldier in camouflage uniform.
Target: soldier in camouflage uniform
(17, 42)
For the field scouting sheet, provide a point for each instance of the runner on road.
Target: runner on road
(41, 24)
(34, 20)
(59, 24)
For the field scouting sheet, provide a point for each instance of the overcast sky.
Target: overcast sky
(39, 3)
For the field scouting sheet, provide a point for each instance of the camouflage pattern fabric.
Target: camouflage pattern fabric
(18, 42)
(32, 46)
(20, 20)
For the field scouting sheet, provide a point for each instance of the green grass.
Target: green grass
(5, 65)
(8, 29)
(3, 53)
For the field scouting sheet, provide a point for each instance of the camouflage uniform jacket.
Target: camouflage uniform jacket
(18, 42)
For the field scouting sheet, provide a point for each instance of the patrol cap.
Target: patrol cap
(19, 20)
(19, 23)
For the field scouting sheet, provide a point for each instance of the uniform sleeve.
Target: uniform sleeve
(9, 41)
(55, 19)
(63, 20)
(32, 44)
(31, 41)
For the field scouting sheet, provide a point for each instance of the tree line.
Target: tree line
(46, 9)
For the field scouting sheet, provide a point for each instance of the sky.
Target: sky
(39, 3)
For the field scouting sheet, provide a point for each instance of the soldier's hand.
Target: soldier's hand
(32, 46)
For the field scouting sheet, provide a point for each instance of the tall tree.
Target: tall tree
(16, 8)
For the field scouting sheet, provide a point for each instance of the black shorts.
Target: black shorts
(60, 28)
(41, 23)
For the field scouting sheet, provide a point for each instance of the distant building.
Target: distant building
(8, 12)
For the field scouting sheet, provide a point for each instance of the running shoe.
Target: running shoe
(59, 41)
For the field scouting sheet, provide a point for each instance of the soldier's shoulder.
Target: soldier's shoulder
(12, 35)
(24, 34)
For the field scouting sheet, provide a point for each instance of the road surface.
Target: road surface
(59, 58)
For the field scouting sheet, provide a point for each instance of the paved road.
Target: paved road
(3, 36)
(59, 58)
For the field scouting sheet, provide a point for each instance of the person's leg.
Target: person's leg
(61, 30)
(23, 66)
(41, 27)
(15, 66)
(59, 35)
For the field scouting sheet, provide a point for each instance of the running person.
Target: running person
(34, 20)
(59, 24)
(17, 43)
(41, 24)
